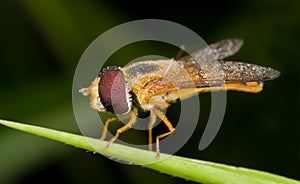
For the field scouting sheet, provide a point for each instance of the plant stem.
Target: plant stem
(186, 168)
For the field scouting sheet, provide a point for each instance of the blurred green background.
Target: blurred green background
(42, 41)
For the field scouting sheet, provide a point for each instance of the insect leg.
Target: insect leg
(159, 102)
(150, 125)
(168, 124)
(107, 122)
(180, 52)
(125, 127)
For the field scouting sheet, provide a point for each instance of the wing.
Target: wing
(228, 75)
(215, 51)
(204, 70)
(206, 67)
(220, 72)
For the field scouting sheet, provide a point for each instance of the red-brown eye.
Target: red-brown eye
(113, 91)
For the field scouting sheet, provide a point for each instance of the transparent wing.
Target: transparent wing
(207, 68)
(215, 51)
(232, 72)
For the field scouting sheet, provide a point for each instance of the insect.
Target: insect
(153, 85)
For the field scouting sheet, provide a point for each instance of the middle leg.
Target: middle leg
(168, 124)
(150, 126)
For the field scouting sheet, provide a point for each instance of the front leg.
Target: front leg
(125, 127)
(107, 122)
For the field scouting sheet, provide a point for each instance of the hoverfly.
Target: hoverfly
(153, 85)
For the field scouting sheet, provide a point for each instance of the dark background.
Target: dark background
(42, 41)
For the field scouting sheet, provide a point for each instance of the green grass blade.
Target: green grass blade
(186, 168)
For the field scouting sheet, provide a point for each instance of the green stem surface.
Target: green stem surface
(186, 168)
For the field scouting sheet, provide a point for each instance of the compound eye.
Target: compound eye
(113, 91)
